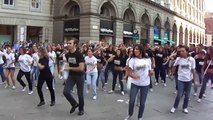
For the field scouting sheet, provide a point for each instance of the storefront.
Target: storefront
(127, 34)
(157, 36)
(107, 31)
(34, 34)
(71, 28)
(7, 33)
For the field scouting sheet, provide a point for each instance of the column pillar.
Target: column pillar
(89, 29)
(118, 32)
(151, 35)
(21, 33)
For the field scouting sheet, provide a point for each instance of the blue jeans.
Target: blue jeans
(91, 80)
(101, 77)
(206, 78)
(143, 95)
(184, 88)
(52, 69)
(2, 73)
(34, 73)
(199, 78)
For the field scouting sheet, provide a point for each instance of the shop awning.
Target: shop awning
(160, 40)
(172, 42)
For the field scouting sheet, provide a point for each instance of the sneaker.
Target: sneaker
(80, 113)
(204, 95)
(156, 84)
(111, 91)
(24, 89)
(195, 94)
(87, 91)
(175, 92)
(172, 110)
(6, 86)
(30, 93)
(127, 118)
(47, 88)
(122, 92)
(73, 109)
(199, 100)
(94, 97)
(164, 85)
(185, 111)
(41, 103)
(14, 87)
(52, 103)
(151, 90)
(73, 91)
(139, 118)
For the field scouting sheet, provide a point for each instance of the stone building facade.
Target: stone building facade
(22, 20)
(118, 21)
(209, 29)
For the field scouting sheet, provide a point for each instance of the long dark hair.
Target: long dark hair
(209, 55)
(142, 51)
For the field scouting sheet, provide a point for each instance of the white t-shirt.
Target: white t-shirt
(52, 58)
(185, 68)
(1, 57)
(24, 61)
(141, 67)
(9, 59)
(35, 57)
(90, 62)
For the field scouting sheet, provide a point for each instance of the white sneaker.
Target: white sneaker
(30, 93)
(199, 100)
(6, 86)
(73, 91)
(122, 92)
(172, 110)
(156, 84)
(195, 94)
(87, 91)
(47, 88)
(111, 91)
(139, 118)
(24, 89)
(127, 118)
(164, 85)
(204, 95)
(185, 111)
(14, 87)
(175, 92)
(151, 90)
(94, 97)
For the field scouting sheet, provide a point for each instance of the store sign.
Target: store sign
(135, 35)
(106, 27)
(128, 30)
(71, 26)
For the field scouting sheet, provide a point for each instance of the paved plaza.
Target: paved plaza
(17, 105)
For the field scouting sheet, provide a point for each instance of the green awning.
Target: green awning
(160, 40)
(172, 42)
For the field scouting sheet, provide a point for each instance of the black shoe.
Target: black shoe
(52, 103)
(41, 103)
(80, 113)
(73, 108)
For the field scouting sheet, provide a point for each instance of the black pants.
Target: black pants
(160, 70)
(49, 81)
(106, 73)
(116, 74)
(71, 81)
(27, 75)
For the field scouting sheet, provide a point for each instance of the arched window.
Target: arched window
(74, 10)
(105, 12)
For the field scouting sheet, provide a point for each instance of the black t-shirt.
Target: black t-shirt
(108, 54)
(58, 53)
(149, 53)
(74, 59)
(159, 58)
(45, 72)
(119, 61)
(100, 60)
(199, 63)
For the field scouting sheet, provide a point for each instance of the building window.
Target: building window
(35, 4)
(8, 3)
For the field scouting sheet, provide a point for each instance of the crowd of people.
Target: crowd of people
(92, 63)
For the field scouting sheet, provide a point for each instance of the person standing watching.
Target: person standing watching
(76, 76)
